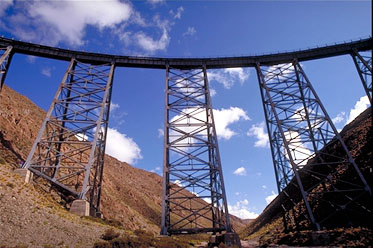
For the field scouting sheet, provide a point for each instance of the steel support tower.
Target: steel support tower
(309, 176)
(69, 149)
(6, 55)
(194, 197)
(363, 65)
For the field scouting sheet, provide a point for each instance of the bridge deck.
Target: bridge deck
(186, 63)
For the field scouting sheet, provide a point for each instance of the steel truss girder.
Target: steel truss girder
(69, 149)
(364, 68)
(5, 59)
(191, 158)
(301, 136)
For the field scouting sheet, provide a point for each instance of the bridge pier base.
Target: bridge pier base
(24, 173)
(80, 207)
(229, 239)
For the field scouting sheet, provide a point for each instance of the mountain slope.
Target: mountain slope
(358, 137)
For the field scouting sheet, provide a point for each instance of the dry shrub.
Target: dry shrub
(110, 234)
(166, 242)
(102, 244)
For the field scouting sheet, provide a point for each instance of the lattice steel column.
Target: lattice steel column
(313, 182)
(364, 68)
(192, 168)
(69, 149)
(5, 58)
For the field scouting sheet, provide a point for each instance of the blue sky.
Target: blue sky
(193, 29)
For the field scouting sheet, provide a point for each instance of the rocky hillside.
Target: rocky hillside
(126, 197)
(358, 137)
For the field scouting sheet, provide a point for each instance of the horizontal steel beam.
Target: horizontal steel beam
(195, 230)
(186, 63)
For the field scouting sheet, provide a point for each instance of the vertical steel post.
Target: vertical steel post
(70, 147)
(194, 197)
(213, 138)
(301, 134)
(364, 68)
(165, 222)
(5, 60)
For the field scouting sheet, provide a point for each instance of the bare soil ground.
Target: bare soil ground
(29, 217)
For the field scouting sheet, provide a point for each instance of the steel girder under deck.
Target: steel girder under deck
(315, 190)
(69, 149)
(363, 65)
(194, 197)
(6, 55)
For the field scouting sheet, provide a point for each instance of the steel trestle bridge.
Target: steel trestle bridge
(69, 149)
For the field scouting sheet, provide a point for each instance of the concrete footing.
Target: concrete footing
(80, 207)
(99, 215)
(24, 173)
(320, 238)
(229, 239)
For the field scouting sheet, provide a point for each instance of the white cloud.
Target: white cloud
(257, 130)
(4, 5)
(271, 197)
(136, 18)
(241, 209)
(229, 76)
(114, 106)
(118, 117)
(154, 2)
(264, 186)
(53, 22)
(212, 92)
(177, 14)
(240, 171)
(281, 72)
(31, 59)
(160, 132)
(150, 44)
(190, 31)
(238, 73)
(298, 150)
(125, 37)
(81, 137)
(122, 147)
(339, 118)
(46, 71)
(195, 193)
(224, 117)
(178, 183)
(66, 20)
(237, 193)
(359, 107)
(156, 170)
